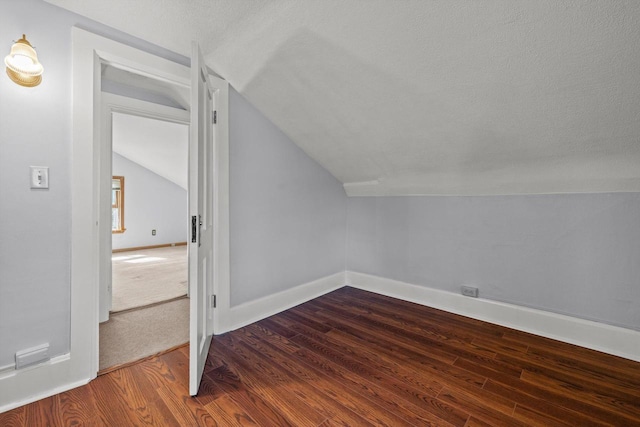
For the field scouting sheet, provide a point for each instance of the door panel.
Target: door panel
(201, 149)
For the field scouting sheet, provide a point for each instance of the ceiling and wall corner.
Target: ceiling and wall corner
(157, 145)
(444, 97)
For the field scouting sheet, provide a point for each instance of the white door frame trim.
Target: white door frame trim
(80, 365)
(89, 52)
(221, 255)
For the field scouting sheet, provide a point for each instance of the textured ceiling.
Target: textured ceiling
(426, 97)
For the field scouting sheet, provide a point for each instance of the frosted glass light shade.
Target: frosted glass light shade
(22, 64)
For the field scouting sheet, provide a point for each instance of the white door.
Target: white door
(201, 163)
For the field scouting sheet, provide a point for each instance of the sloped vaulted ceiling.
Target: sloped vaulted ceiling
(426, 97)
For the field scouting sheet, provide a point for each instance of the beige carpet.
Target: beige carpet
(135, 334)
(148, 276)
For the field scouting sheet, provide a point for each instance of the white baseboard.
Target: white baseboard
(597, 336)
(252, 311)
(23, 386)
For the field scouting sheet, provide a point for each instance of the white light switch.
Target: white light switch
(39, 177)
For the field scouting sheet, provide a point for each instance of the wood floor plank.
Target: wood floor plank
(14, 417)
(334, 387)
(558, 348)
(436, 316)
(269, 324)
(501, 346)
(178, 364)
(403, 319)
(494, 411)
(437, 373)
(413, 356)
(358, 327)
(137, 395)
(363, 380)
(604, 384)
(602, 398)
(229, 413)
(43, 412)
(262, 411)
(474, 422)
(360, 352)
(75, 404)
(534, 418)
(187, 411)
(112, 411)
(560, 404)
(489, 368)
(272, 386)
(303, 386)
(354, 358)
(416, 329)
(270, 335)
(294, 316)
(608, 373)
(346, 410)
(422, 398)
(590, 361)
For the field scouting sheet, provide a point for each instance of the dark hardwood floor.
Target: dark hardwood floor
(356, 358)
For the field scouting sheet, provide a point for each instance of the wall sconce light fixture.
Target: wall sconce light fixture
(22, 64)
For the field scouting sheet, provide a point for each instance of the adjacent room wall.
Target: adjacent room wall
(287, 213)
(574, 254)
(151, 202)
(35, 227)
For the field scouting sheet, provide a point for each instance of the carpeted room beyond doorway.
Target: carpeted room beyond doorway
(150, 311)
(148, 276)
(136, 334)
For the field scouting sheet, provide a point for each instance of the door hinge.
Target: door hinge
(213, 301)
(215, 117)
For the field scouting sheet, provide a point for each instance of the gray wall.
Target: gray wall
(35, 226)
(575, 254)
(288, 214)
(151, 202)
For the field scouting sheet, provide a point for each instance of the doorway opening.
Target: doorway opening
(149, 210)
(91, 181)
(146, 298)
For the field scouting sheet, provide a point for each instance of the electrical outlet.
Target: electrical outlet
(469, 291)
(153, 232)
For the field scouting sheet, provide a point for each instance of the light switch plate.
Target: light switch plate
(39, 177)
